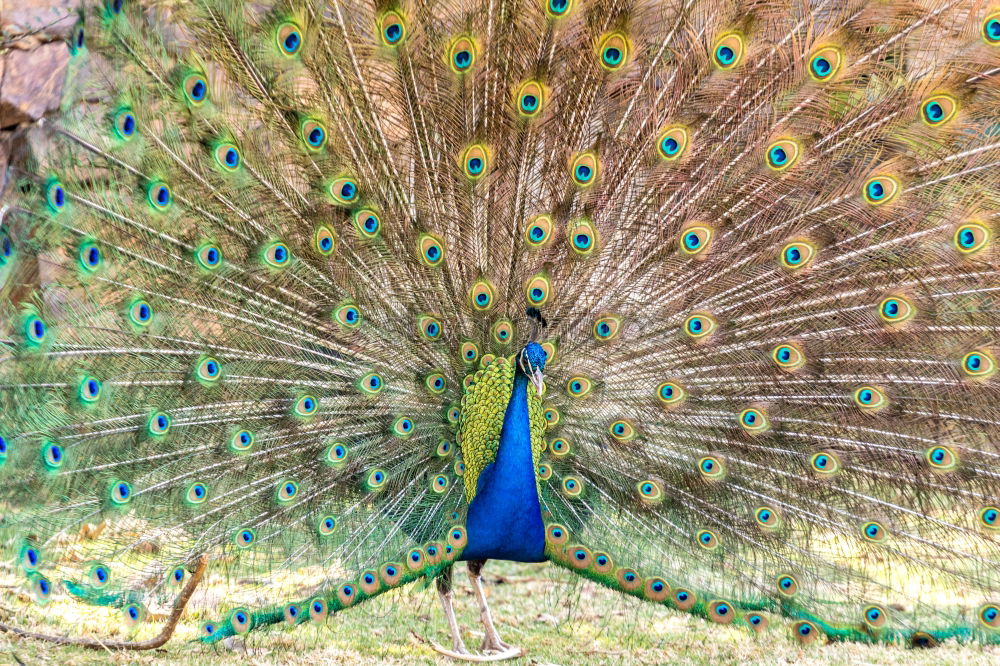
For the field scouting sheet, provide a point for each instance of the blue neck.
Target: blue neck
(505, 518)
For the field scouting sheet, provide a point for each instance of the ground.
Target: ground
(553, 616)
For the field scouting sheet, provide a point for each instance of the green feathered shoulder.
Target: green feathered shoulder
(483, 407)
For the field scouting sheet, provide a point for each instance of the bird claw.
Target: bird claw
(494, 646)
(459, 653)
(502, 655)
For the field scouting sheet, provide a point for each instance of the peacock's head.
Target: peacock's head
(531, 361)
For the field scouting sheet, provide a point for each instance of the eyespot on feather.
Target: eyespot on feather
(582, 237)
(462, 54)
(880, 189)
(825, 63)
(430, 250)
(613, 51)
(971, 237)
(696, 239)
(367, 223)
(530, 98)
(538, 231)
(938, 109)
(788, 356)
(728, 51)
(392, 28)
(672, 142)
(584, 169)
(671, 393)
(475, 162)
(782, 154)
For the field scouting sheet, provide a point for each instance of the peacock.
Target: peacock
(696, 299)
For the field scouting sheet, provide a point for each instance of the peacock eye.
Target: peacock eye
(209, 256)
(712, 468)
(614, 51)
(672, 142)
(393, 28)
(530, 99)
(767, 517)
(305, 406)
(90, 256)
(699, 326)
(896, 310)
(782, 154)
(313, 134)
(707, 539)
(367, 223)
(622, 430)
(696, 240)
(979, 364)
(55, 196)
(344, 190)
(788, 356)
(159, 196)
(671, 393)
(375, 479)
(870, 398)
(481, 295)
(583, 169)
(121, 492)
(787, 585)
(475, 162)
(158, 424)
(971, 238)
(941, 458)
(538, 290)
(559, 8)
(825, 463)
(241, 441)
(650, 491)
(825, 63)
(429, 327)
(462, 55)
(880, 189)
(991, 29)
(874, 531)
(288, 38)
(371, 384)
(754, 420)
(937, 110)
(607, 328)
(324, 240)
(53, 455)
(579, 386)
(348, 316)
(538, 231)
(286, 491)
(582, 236)
(195, 89)
(124, 124)
(276, 255)
(572, 486)
(797, 254)
(728, 51)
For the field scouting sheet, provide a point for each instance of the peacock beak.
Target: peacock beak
(537, 379)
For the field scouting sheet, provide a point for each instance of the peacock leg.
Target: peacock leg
(491, 642)
(447, 596)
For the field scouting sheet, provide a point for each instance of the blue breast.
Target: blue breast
(505, 518)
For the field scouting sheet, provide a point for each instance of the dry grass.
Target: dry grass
(556, 619)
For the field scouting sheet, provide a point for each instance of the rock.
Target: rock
(53, 17)
(32, 83)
